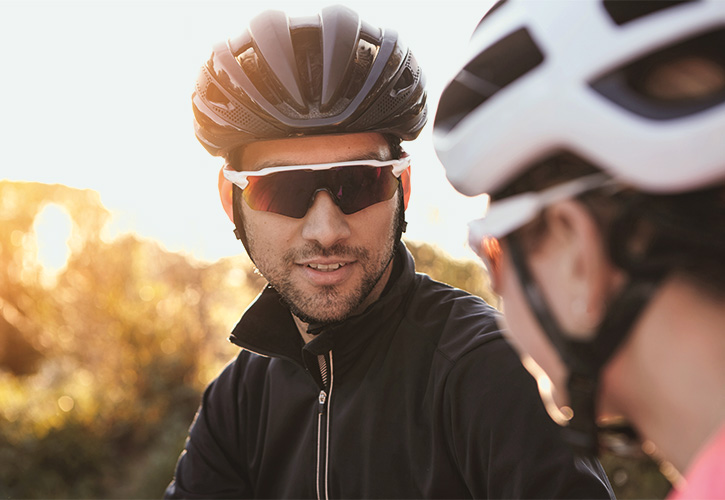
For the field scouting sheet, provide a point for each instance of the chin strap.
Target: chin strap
(585, 359)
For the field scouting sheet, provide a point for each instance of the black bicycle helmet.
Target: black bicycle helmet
(286, 77)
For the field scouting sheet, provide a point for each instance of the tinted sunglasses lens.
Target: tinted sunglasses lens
(355, 188)
(284, 193)
(291, 193)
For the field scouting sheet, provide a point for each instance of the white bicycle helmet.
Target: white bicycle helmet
(579, 78)
(549, 76)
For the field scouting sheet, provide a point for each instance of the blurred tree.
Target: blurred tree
(113, 353)
(17, 354)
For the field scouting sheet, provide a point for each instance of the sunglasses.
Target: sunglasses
(290, 190)
(507, 215)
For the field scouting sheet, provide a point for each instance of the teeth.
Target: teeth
(325, 267)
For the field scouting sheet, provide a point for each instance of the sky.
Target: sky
(97, 95)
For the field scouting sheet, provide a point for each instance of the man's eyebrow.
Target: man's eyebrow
(373, 156)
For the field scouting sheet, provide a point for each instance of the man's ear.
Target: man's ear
(225, 193)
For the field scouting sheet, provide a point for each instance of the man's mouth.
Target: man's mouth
(326, 267)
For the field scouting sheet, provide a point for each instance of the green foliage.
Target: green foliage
(42, 465)
(102, 366)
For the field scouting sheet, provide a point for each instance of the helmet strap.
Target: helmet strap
(585, 359)
(402, 224)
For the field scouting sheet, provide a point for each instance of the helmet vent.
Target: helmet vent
(493, 69)
(404, 82)
(229, 109)
(250, 63)
(624, 12)
(306, 43)
(674, 82)
(389, 102)
(216, 97)
(490, 11)
(364, 57)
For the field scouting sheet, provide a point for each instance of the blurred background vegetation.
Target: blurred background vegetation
(102, 361)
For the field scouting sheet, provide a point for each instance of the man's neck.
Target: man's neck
(302, 327)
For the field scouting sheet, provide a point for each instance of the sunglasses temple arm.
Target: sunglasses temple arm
(239, 179)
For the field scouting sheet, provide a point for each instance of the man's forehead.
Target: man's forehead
(315, 149)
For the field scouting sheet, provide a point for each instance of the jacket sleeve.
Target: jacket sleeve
(211, 465)
(505, 443)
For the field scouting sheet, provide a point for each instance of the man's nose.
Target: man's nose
(324, 221)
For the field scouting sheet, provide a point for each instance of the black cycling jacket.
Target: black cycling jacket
(418, 397)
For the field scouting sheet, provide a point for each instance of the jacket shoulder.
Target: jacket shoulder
(455, 320)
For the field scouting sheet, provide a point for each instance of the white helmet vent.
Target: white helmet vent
(696, 72)
(488, 73)
(624, 12)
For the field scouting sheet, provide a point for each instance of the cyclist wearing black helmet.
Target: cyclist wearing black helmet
(603, 150)
(358, 377)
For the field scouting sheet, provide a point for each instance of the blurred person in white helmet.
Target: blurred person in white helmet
(598, 130)
(358, 377)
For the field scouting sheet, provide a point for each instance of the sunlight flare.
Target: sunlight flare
(53, 229)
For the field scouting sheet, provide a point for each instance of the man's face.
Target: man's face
(327, 265)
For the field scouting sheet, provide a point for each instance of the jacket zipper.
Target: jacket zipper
(323, 427)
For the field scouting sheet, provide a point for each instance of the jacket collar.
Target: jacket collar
(267, 327)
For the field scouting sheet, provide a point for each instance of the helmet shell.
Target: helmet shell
(535, 83)
(286, 77)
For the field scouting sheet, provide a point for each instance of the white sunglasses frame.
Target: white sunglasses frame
(509, 214)
(239, 179)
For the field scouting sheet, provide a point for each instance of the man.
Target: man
(358, 377)
(602, 149)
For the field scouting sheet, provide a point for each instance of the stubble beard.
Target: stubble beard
(329, 304)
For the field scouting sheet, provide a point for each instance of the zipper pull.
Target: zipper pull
(322, 399)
